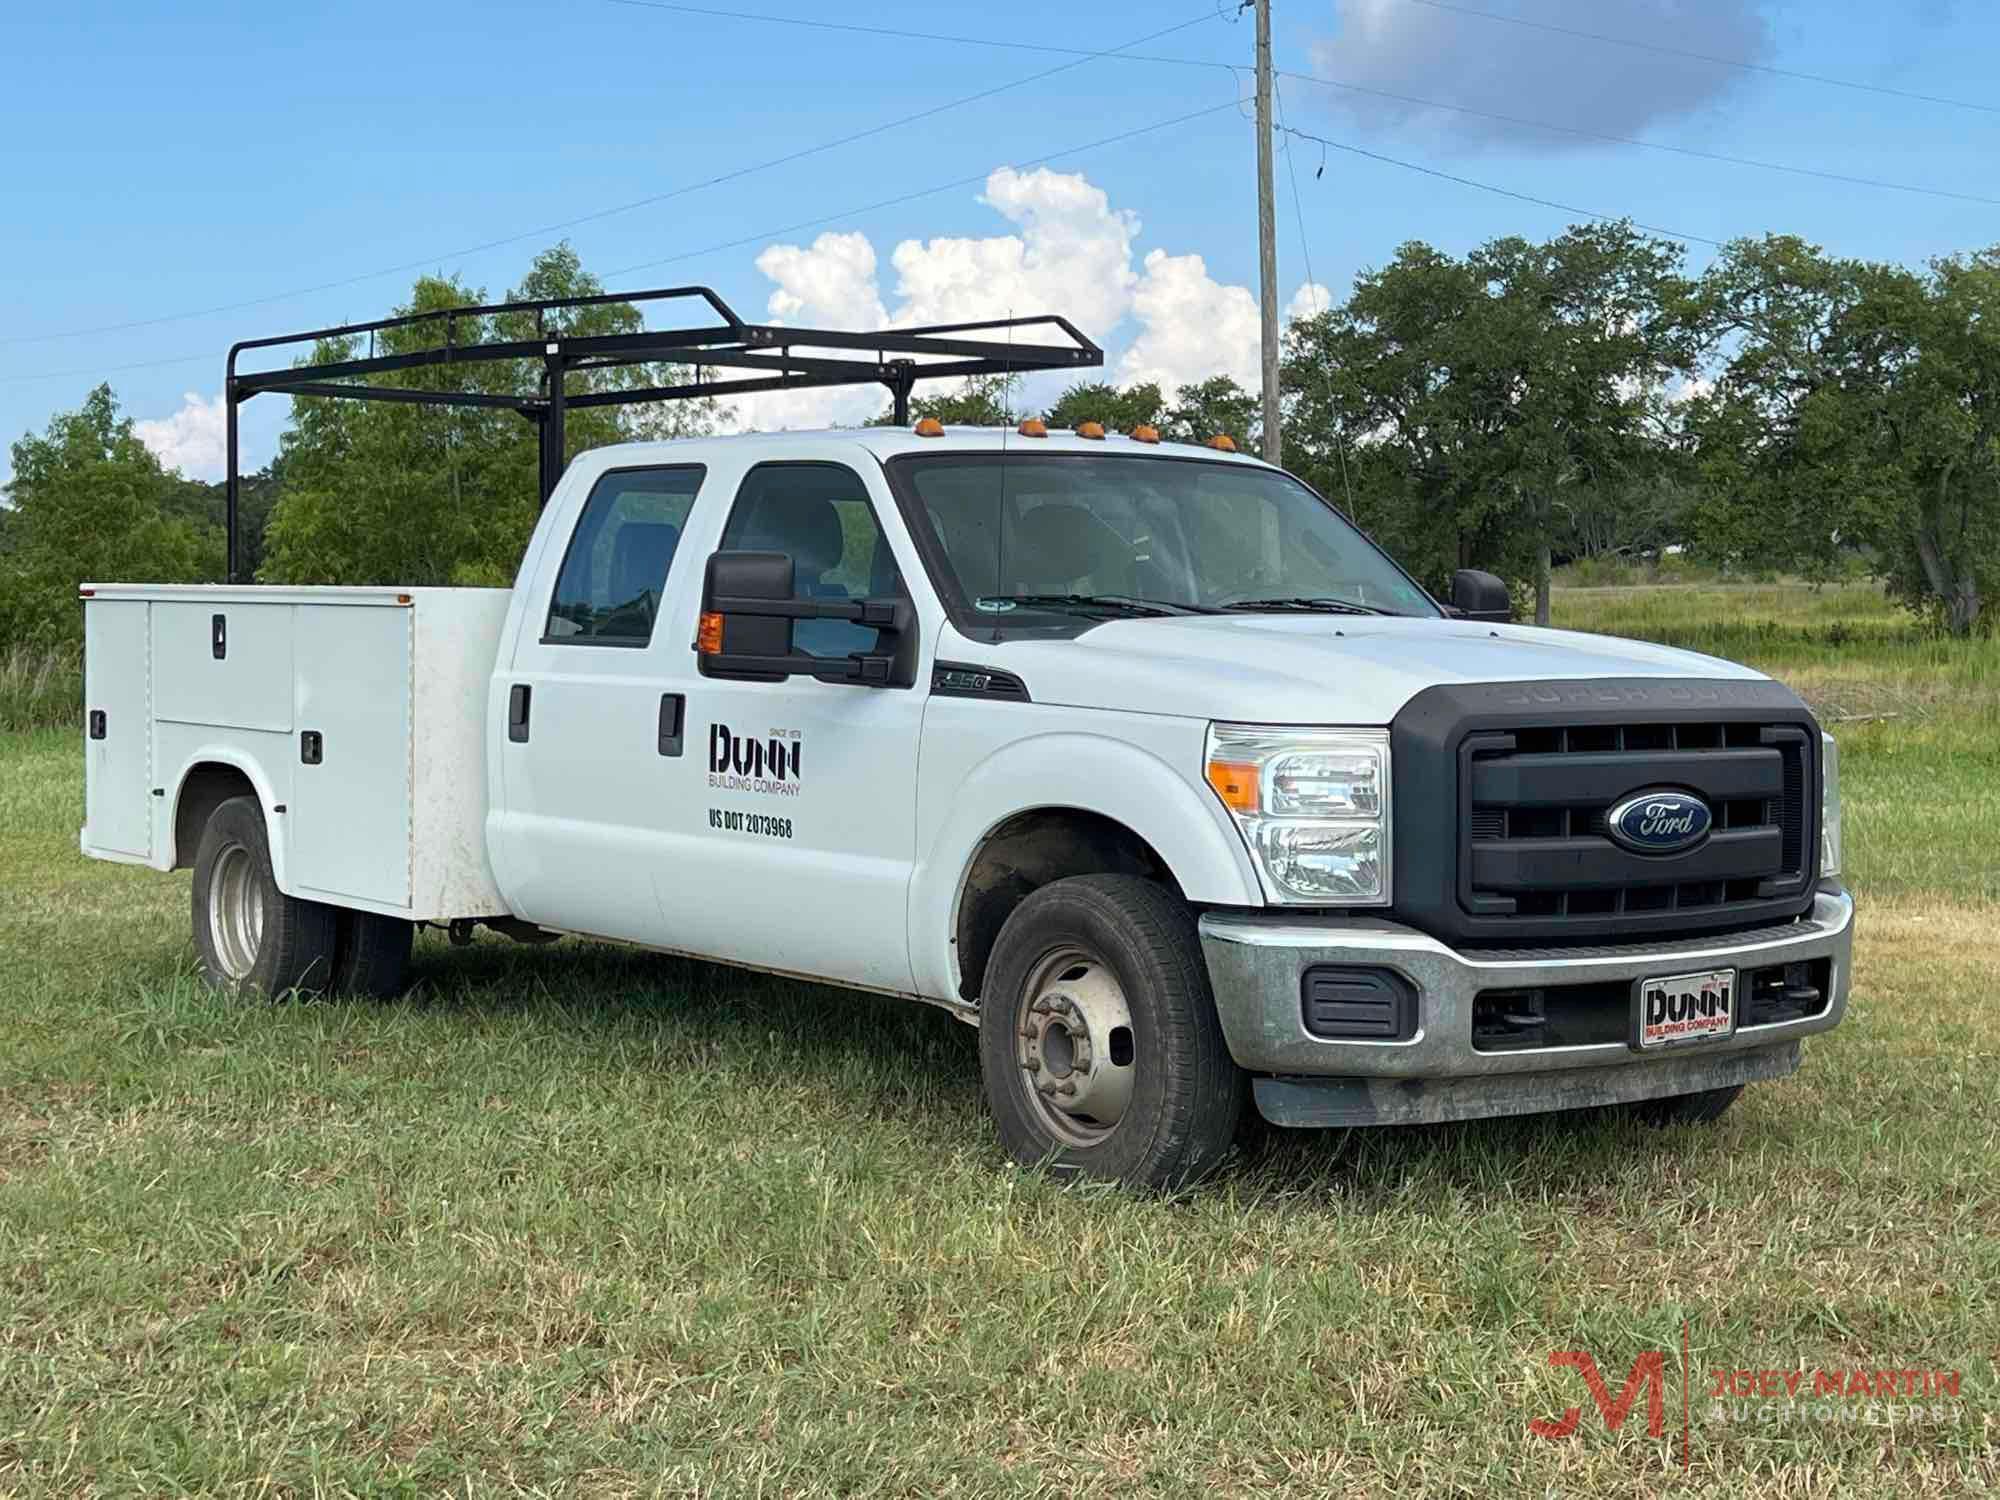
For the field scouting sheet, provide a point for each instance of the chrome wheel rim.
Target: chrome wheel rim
(1073, 1043)
(235, 911)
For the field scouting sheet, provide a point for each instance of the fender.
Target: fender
(223, 754)
(1133, 785)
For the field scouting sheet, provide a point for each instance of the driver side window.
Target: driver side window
(819, 515)
(615, 571)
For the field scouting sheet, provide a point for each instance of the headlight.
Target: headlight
(1829, 806)
(1313, 805)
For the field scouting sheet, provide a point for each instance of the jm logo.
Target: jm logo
(1649, 1373)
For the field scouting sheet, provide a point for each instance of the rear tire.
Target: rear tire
(250, 936)
(1098, 1039)
(1688, 1109)
(371, 954)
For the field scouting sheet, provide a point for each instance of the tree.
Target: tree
(91, 503)
(1859, 404)
(1461, 402)
(1594, 321)
(380, 492)
(1214, 407)
(1117, 410)
(979, 401)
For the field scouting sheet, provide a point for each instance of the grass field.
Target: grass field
(583, 1220)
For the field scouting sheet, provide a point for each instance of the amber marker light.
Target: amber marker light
(1033, 427)
(708, 635)
(1144, 434)
(1222, 442)
(1090, 430)
(1235, 783)
(929, 427)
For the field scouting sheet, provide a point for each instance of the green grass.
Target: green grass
(585, 1220)
(40, 686)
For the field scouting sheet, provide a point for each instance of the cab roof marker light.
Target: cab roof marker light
(1093, 430)
(929, 427)
(1033, 427)
(1222, 442)
(1145, 434)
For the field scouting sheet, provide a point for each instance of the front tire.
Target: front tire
(249, 935)
(1098, 1039)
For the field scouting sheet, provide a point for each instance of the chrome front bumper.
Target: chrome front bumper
(1256, 962)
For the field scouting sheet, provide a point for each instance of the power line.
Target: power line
(733, 175)
(929, 192)
(943, 187)
(1709, 57)
(1487, 187)
(898, 34)
(1625, 140)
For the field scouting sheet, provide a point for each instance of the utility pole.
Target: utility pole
(1267, 236)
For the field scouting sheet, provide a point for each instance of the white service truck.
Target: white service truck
(1136, 755)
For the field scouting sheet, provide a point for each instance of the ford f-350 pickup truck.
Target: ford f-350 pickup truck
(1135, 755)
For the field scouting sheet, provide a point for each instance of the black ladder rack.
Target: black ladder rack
(895, 359)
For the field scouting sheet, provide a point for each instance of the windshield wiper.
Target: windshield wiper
(1328, 606)
(1115, 603)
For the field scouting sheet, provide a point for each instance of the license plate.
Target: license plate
(1685, 1008)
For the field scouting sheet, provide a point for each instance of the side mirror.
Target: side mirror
(1480, 596)
(748, 610)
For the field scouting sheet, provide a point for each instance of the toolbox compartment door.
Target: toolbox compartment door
(118, 734)
(350, 809)
(221, 662)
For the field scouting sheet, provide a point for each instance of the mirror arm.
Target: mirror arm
(878, 612)
(870, 669)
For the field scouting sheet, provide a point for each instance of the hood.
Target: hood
(1313, 669)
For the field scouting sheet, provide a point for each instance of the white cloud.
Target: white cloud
(193, 440)
(1190, 326)
(1073, 255)
(1070, 252)
(830, 285)
(1309, 301)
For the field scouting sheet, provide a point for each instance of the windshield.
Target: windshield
(1147, 536)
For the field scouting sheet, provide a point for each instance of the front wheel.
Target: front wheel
(1098, 1038)
(249, 935)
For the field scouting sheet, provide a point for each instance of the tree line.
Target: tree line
(1513, 408)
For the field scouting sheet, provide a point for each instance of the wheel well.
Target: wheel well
(1026, 852)
(206, 788)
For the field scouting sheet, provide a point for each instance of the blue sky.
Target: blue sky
(170, 159)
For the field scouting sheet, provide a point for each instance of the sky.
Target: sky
(180, 177)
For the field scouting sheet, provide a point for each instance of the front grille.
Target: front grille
(1503, 794)
(1536, 844)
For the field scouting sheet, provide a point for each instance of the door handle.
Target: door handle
(673, 711)
(517, 713)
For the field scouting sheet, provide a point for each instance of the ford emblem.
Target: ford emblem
(1659, 822)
